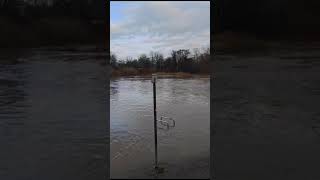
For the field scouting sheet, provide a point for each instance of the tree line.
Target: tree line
(43, 8)
(182, 60)
(266, 17)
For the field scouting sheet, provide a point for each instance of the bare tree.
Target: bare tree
(196, 54)
(113, 60)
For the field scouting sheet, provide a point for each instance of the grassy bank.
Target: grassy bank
(128, 71)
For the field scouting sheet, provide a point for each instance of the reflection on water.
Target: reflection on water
(52, 107)
(183, 151)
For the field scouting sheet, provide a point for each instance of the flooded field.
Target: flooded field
(184, 151)
(52, 111)
(266, 106)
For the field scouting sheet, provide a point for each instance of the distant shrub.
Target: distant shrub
(126, 71)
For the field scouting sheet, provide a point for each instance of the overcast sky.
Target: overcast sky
(140, 26)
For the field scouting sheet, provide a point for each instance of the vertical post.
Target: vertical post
(155, 120)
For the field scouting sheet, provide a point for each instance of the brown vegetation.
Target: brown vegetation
(129, 71)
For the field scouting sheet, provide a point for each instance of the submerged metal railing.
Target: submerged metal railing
(164, 121)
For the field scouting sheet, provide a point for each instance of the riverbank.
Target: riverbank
(230, 42)
(127, 72)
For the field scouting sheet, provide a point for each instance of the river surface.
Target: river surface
(53, 113)
(265, 110)
(183, 151)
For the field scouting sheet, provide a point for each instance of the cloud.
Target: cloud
(160, 26)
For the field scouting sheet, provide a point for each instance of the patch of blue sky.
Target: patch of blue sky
(117, 9)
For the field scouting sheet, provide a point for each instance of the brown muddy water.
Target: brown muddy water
(184, 151)
(52, 114)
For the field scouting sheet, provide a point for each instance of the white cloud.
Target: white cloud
(161, 26)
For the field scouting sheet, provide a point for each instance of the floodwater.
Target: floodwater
(52, 113)
(266, 108)
(183, 151)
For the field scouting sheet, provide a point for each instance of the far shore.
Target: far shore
(117, 73)
(50, 31)
(232, 42)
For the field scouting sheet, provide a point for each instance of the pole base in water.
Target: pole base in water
(159, 170)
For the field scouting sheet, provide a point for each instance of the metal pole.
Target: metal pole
(155, 121)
